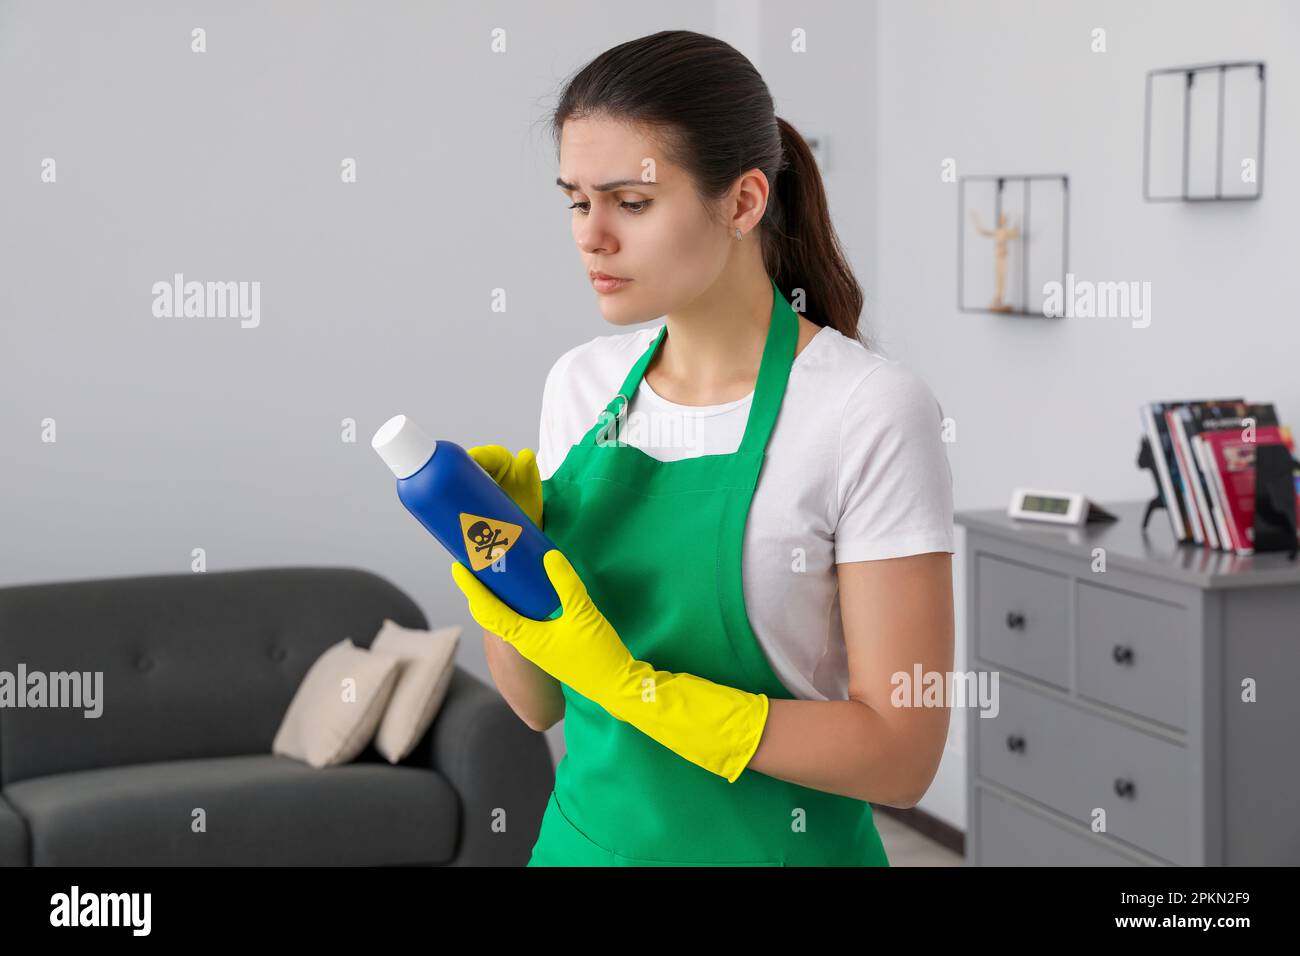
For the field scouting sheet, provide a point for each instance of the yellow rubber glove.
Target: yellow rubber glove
(711, 725)
(516, 474)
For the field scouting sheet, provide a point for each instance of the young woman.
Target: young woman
(740, 605)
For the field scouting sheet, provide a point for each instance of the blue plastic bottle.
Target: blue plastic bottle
(460, 505)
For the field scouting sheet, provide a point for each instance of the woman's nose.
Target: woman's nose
(593, 238)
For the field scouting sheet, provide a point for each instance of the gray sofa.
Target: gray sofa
(197, 671)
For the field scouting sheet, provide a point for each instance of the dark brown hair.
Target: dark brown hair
(715, 118)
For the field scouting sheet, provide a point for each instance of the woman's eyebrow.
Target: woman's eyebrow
(606, 187)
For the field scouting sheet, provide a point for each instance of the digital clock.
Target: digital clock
(1056, 507)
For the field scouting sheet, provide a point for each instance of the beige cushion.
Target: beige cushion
(338, 705)
(428, 661)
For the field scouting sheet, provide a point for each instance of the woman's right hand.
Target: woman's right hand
(516, 474)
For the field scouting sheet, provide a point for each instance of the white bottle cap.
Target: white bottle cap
(404, 446)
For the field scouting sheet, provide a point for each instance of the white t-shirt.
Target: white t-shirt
(856, 470)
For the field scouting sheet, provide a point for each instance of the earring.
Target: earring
(738, 232)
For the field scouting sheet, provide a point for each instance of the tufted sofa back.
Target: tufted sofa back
(187, 665)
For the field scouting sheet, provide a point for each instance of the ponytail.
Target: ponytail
(801, 249)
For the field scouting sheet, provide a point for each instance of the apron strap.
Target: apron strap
(617, 406)
(769, 390)
(773, 373)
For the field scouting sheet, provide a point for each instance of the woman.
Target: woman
(736, 607)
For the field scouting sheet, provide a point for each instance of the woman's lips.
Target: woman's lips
(605, 283)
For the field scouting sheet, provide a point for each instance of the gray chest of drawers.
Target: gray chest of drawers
(1124, 733)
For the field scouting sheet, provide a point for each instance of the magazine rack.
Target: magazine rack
(1275, 516)
(1147, 460)
(1275, 497)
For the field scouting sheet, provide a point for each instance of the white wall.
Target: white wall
(1011, 86)
(175, 434)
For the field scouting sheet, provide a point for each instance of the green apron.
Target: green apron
(658, 545)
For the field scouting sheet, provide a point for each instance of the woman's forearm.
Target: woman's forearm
(846, 747)
(531, 693)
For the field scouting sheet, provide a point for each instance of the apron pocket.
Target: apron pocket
(560, 843)
(620, 860)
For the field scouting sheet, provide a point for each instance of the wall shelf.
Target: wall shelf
(1037, 207)
(1203, 133)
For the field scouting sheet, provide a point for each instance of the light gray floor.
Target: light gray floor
(905, 847)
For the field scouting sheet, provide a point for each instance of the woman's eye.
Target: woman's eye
(636, 208)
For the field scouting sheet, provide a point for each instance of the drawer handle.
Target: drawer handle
(1125, 787)
(1015, 743)
(1015, 620)
(1122, 654)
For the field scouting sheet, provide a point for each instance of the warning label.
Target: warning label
(487, 539)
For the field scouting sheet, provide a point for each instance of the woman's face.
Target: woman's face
(648, 226)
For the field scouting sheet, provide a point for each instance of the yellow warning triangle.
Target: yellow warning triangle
(486, 539)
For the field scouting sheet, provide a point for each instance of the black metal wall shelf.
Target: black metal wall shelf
(1000, 199)
(1189, 103)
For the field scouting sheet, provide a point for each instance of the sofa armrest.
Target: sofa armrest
(499, 767)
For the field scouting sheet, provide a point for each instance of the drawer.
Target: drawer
(1009, 835)
(1133, 653)
(1023, 617)
(1074, 761)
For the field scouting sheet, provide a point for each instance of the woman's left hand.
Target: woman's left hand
(580, 648)
(712, 725)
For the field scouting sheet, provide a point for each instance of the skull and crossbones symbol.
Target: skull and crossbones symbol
(486, 538)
